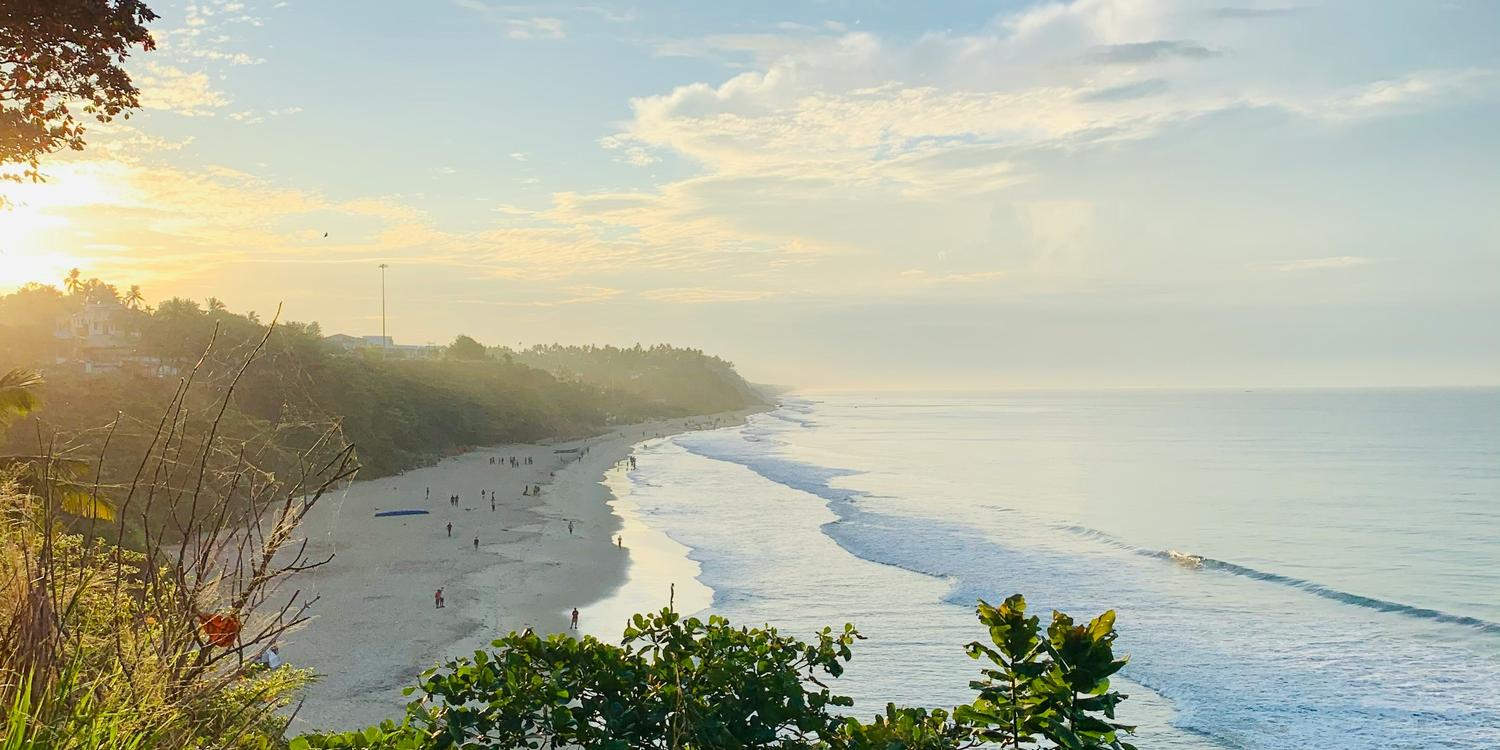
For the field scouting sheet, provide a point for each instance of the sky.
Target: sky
(1095, 193)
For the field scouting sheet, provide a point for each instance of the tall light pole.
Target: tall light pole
(383, 340)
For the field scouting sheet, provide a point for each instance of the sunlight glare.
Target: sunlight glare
(37, 231)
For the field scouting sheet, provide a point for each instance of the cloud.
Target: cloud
(698, 295)
(1321, 264)
(545, 20)
(539, 27)
(255, 117)
(1126, 91)
(187, 93)
(1144, 52)
(1250, 13)
(631, 153)
(1408, 93)
(558, 297)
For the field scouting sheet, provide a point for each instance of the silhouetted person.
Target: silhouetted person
(450, 529)
(574, 624)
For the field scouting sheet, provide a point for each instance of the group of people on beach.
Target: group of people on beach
(529, 490)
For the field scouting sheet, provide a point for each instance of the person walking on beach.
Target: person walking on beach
(620, 541)
(437, 599)
(492, 503)
(429, 493)
(450, 529)
(570, 527)
(476, 544)
(574, 624)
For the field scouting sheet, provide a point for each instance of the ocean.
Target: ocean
(1348, 594)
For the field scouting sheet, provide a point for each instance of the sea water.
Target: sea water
(1290, 569)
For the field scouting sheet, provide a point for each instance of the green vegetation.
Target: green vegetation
(687, 683)
(685, 378)
(401, 413)
(107, 647)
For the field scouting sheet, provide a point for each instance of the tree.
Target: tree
(134, 300)
(17, 394)
(1007, 709)
(55, 54)
(95, 290)
(55, 476)
(73, 282)
(1051, 687)
(466, 348)
(214, 304)
(676, 683)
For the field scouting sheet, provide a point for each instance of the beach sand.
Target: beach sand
(374, 626)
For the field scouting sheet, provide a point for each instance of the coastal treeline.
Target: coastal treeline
(660, 374)
(399, 412)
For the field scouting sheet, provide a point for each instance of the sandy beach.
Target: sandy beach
(375, 627)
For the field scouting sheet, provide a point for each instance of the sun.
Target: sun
(38, 235)
(25, 235)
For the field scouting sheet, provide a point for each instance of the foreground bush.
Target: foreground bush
(105, 647)
(691, 684)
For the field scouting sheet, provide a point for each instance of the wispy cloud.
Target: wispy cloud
(187, 93)
(1144, 52)
(537, 27)
(699, 295)
(1320, 264)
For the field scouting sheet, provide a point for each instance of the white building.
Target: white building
(100, 341)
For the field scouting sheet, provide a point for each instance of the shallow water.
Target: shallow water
(1348, 594)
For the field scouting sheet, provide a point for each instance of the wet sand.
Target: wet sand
(375, 628)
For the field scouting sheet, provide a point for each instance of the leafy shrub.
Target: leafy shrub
(691, 684)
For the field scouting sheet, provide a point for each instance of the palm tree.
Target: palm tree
(73, 282)
(95, 290)
(63, 476)
(17, 394)
(215, 304)
(134, 300)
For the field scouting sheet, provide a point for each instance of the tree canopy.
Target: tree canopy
(687, 683)
(61, 62)
(466, 348)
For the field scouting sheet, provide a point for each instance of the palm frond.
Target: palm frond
(61, 480)
(18, 394)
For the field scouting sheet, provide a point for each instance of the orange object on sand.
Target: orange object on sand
(222, 630)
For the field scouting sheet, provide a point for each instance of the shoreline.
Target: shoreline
(659, 567)
(375, 627)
